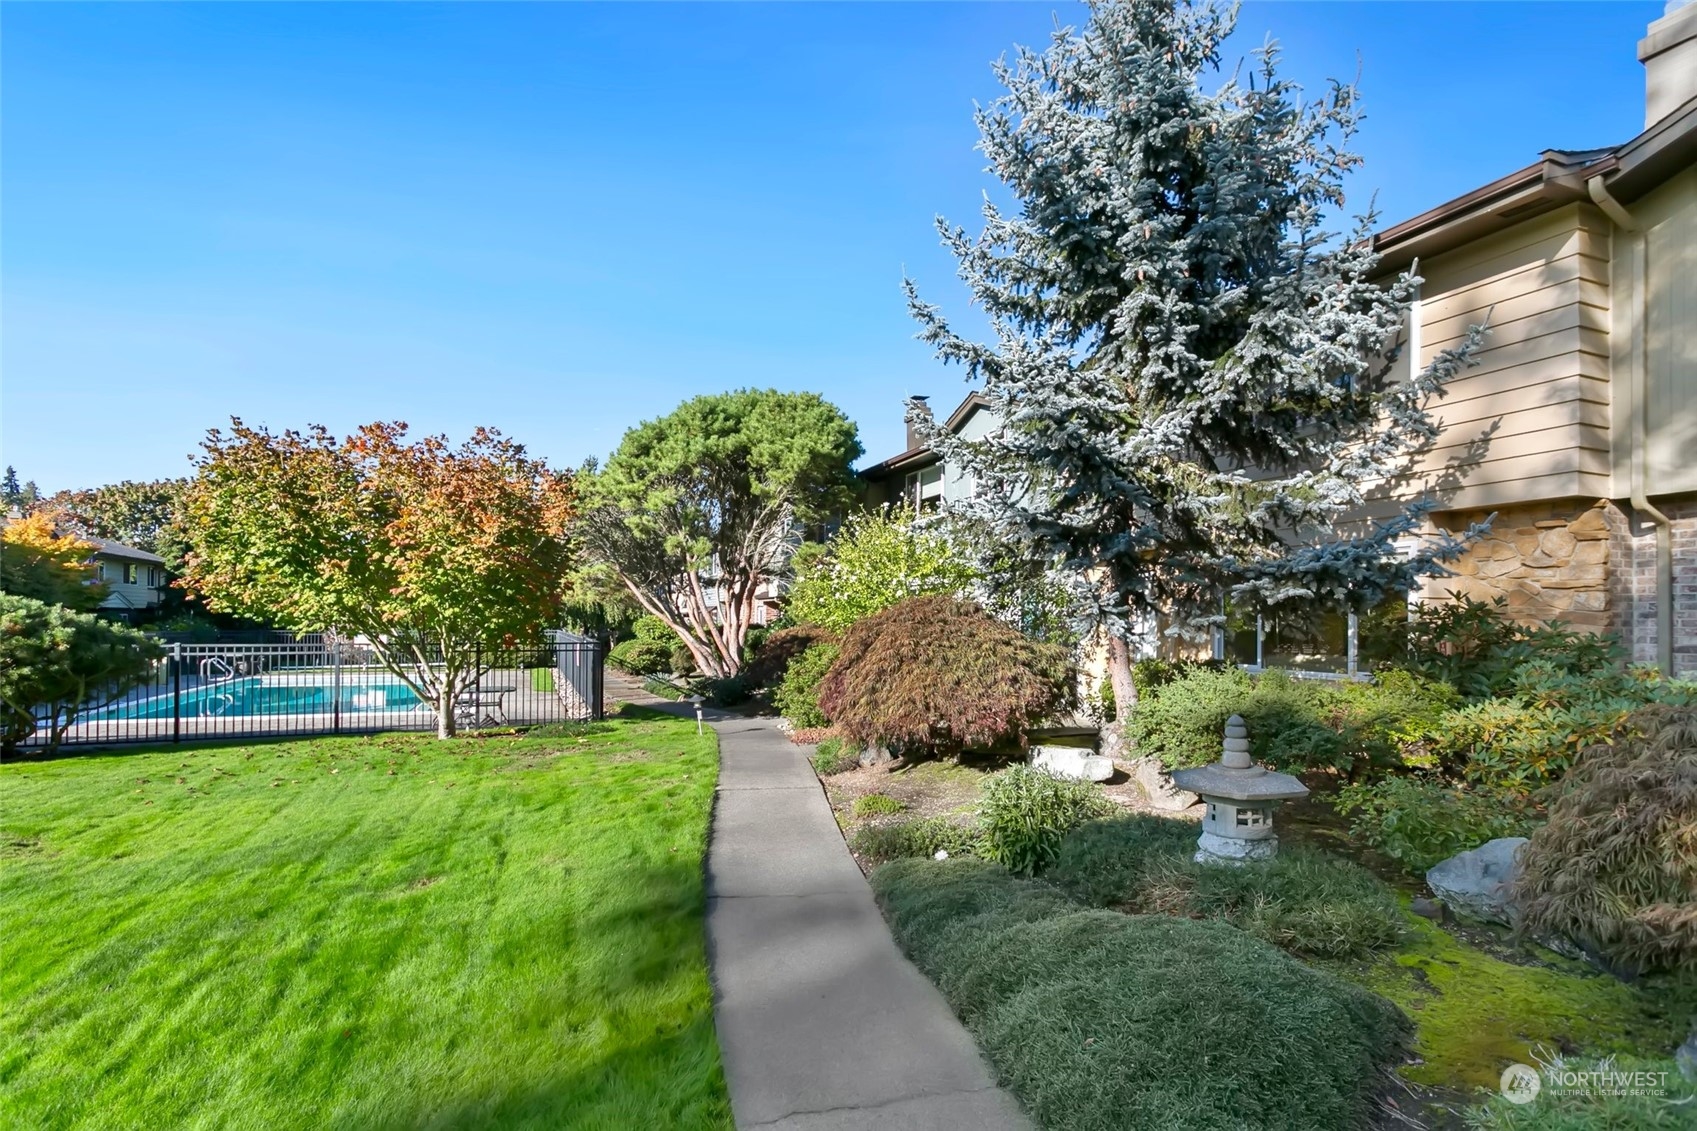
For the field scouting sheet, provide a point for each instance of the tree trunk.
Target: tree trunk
(445, 708)
(1125, 697)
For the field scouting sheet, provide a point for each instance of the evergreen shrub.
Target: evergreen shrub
(780, 648)
(877, 805)
(1026, 812)
(798, 695)
(1096, 1019)
(1474, 647)
(1295, 725)
(727, 691)
(1420, 821)
(875, 561)
(917, 836)
(1527, 739)
(649, 651)
(1615, 868)
(1303, 900)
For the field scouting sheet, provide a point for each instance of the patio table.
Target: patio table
(483, 706)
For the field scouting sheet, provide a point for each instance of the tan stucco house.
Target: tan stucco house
(1577, 428)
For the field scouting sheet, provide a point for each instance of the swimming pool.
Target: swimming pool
(241, 698)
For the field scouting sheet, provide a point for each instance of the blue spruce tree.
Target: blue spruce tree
(1196, 377)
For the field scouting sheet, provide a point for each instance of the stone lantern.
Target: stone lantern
(1240, 797)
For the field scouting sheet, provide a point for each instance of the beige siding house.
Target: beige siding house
(1578, 427)
(136, 578)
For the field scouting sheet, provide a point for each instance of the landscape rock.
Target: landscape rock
(1476, 883)
(1427, 908)
(1158, 786)
(1072, 762)
(1685, 1056)
(876, 756)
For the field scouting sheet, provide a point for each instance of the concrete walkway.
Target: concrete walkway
(822, 1022)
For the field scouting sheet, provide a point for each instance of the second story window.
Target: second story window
(131, 573)
(923, 489)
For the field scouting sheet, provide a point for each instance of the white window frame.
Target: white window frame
(925, 488)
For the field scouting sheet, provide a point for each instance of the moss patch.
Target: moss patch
(1476, 1013)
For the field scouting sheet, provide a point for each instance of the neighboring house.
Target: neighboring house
(918, 477)
(1577, 428)
(135, 577)
(768, 599)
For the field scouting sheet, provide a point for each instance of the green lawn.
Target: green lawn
(381, 932)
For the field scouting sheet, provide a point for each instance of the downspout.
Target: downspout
(1639, 457)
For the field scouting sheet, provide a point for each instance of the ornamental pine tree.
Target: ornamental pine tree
(1195, 377)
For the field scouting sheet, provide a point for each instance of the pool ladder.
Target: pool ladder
(215, 669)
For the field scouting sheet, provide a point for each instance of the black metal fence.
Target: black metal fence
(321, 685)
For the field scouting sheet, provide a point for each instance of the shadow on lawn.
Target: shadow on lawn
(115, 749)
(659, 1070)
(626, 712)
(660, 1081)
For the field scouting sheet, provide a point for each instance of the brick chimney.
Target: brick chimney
(918, 406)
(1669, 54)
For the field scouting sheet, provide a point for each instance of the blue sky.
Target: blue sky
(560, 219)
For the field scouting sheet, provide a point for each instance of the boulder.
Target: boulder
(1475, 883)
(1072, 762)
(876, 756)
(1427, 908)
(1158, 786)
(1685, 1056)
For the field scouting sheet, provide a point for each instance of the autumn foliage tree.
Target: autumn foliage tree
(431, 552)
(38, 562)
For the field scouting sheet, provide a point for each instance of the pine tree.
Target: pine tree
(9, 488)
(1195, 376)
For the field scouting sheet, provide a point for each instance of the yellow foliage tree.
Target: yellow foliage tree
(37, 561)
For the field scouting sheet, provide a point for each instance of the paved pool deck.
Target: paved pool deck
(823, 1024)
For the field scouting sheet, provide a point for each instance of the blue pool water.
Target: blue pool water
(249, 697)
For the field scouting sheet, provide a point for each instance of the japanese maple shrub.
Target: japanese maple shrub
(938, 673)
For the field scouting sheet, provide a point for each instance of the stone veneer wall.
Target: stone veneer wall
(1549, 561)
(1632, 550)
